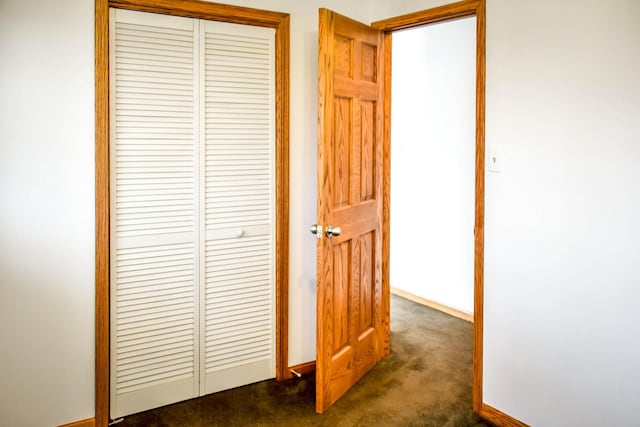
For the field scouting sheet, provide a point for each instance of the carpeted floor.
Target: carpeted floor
(425, 381)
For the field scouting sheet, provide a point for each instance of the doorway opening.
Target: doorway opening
(448, 12)
(432, 165)
(432, 195)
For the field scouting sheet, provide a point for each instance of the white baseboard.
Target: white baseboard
(435, 305)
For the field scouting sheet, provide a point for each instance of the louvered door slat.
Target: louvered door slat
(154, 213)
(238, 299)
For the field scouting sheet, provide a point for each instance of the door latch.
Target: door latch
(317, 230)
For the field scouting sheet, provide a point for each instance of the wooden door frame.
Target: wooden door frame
(449, 12)
(202, 10)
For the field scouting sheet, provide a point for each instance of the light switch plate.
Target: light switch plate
(494, 163)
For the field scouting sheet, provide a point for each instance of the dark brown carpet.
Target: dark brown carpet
(425, 381)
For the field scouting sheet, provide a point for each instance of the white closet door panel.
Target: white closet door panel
(239, 132)
(160, 148)
(160, 395)
(238, 224)
(154, 229)
(238, 341)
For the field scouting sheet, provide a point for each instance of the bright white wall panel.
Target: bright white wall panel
(433, 162)
(562, 346)
(47, 214)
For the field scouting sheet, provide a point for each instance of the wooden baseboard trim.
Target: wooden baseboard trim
(306, 368)
(432, 304)
(89, 422)
(499, 418)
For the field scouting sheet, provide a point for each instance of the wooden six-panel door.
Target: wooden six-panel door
(352, 321)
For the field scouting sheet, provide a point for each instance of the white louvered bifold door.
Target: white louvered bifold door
(154, 210)
(238, 256)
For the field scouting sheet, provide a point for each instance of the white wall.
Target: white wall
(388, 9)
(562, 342)
(47, 213)
(562, 345)
(433, 162)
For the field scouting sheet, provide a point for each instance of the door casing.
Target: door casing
(209, 11)
(443, 13)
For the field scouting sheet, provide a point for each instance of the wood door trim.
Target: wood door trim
(499, 418)
(303, 369)
(89, 422)
(203, 10)
(448, 12)
(386, 182)
(460, 314)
